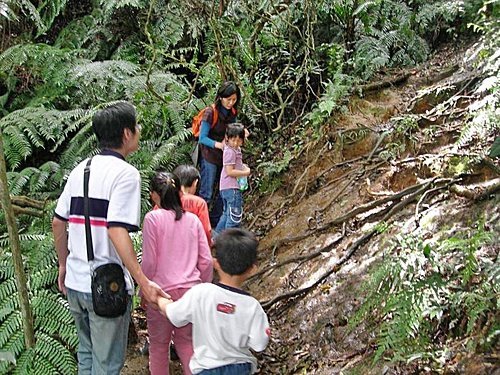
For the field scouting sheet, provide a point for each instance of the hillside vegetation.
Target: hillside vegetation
(374, 149)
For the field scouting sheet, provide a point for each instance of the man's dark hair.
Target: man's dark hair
(227, 89)
(235, 130)
(187, 174)
(110, 122)
(168, 187)
(236, 250)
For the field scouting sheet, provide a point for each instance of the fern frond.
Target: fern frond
(24, 363)
(14, 345)
(52, 316)
(59, 357)
(29, 128)
(7, 288)
(44, 278)
(9, 328)
(32, 13)
(8, 305)
(170, 29)
(6, 265)
(49, 10)
(77, 33)
(101, 81)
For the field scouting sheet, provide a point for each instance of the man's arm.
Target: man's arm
(125, 249)
(61, 245)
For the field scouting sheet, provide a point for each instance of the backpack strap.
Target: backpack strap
(88, 233)
(215, 114)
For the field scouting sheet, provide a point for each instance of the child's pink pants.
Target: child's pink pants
(160, 332)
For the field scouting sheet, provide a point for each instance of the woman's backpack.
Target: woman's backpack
(196, 123)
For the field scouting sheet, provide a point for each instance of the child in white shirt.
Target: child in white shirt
(227, 321)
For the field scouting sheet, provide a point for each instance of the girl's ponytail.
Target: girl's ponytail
(168, 187)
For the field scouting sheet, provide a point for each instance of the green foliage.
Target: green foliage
(110, 5)
(272, 171)
(333, 99)
(56, 338)
(401, 136)
(28, 129)
(421, 291)
(168, 58)
(390, 39)
(495, 148)
(484, 119)
(49, 10)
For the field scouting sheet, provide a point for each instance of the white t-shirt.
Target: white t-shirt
(226, 323)
(115, 200)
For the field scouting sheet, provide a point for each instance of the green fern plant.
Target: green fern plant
(390, 39)
(49, 10)
(420, 292)
(29, 129)
(56, 338)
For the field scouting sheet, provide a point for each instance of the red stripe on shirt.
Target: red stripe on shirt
(94, 222)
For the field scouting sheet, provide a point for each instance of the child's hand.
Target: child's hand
(247, 133)
(162, 305)
(246, 168)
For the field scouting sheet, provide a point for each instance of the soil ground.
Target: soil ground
(331, 176)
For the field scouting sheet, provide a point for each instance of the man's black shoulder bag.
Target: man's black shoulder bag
(109, 293)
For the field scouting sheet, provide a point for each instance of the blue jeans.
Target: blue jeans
(102, 341)
(210, 177)
(234, 369)
(233, 210)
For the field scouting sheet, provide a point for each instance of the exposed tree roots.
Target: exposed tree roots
(393, 204)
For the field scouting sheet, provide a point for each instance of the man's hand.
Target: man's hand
(151, 292)
(61, 278)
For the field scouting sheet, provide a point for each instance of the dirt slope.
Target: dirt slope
(319, 232)
(319, 236)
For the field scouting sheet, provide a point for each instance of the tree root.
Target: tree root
(398, 202)
(379, 85)
(300, 258)
(478, 191)
(333, 269)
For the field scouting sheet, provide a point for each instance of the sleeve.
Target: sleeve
(205, 219)
(180, 312)
(229, 156)
(125, 202)
(204, 265)
(64, 203)
(205, 127)
(259, 331)
(149, 247)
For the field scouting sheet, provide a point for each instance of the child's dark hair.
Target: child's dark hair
(110, 122)
(236, 250)
(227, 89)
(187, 174)
(168, 186)
(235, 130)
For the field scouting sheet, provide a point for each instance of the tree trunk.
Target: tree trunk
(10, 219)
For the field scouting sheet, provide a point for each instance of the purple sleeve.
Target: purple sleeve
(229, 156)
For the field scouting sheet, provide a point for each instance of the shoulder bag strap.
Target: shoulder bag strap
(88, 232)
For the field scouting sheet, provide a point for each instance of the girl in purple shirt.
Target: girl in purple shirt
(176, 255)
(233, 169)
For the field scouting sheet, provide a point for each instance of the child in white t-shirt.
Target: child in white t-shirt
(227, 321)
